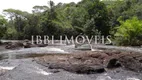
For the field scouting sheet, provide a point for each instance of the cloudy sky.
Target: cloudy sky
(26, 5)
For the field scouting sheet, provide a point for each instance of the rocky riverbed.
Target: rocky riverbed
(94, 62)
(67, 63)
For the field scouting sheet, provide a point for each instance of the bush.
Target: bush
(128, 32)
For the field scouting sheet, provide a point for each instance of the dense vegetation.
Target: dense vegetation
(129, 32)
(90, 17)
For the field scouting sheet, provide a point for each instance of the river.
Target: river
(20, 65)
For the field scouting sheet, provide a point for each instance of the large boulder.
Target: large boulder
(14, 45)
(27, 45)
(132, 61)
(84, 63)
(113, 63)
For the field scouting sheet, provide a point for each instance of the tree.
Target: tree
(79, 18)
(33, 26)
(129, 31)
(3, 22)
(17, 21)
(98, 18)
(39, 9)
(24, 24)
(55, 21)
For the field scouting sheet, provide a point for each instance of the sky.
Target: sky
(26, 5)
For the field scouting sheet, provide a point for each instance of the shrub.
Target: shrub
(128, 32)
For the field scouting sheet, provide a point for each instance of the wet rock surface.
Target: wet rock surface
(78, 68)
(113, 63)
(94, 62)
(28, 69)
(14, 45)
(22, 44)
(132, 61)
(106, 64)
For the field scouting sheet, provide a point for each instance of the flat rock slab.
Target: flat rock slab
(93, 62)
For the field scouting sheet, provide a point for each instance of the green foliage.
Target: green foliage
(126, 8)
(129, 31)
(89, 17)
(11, 33)
(2, 26)
(98, 18)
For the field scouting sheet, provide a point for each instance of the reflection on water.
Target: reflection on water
(22, 56)
(6, 68)
(36, 50)
(3, 56)
(30, 52)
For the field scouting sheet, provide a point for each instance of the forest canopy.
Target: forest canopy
(88, 17)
